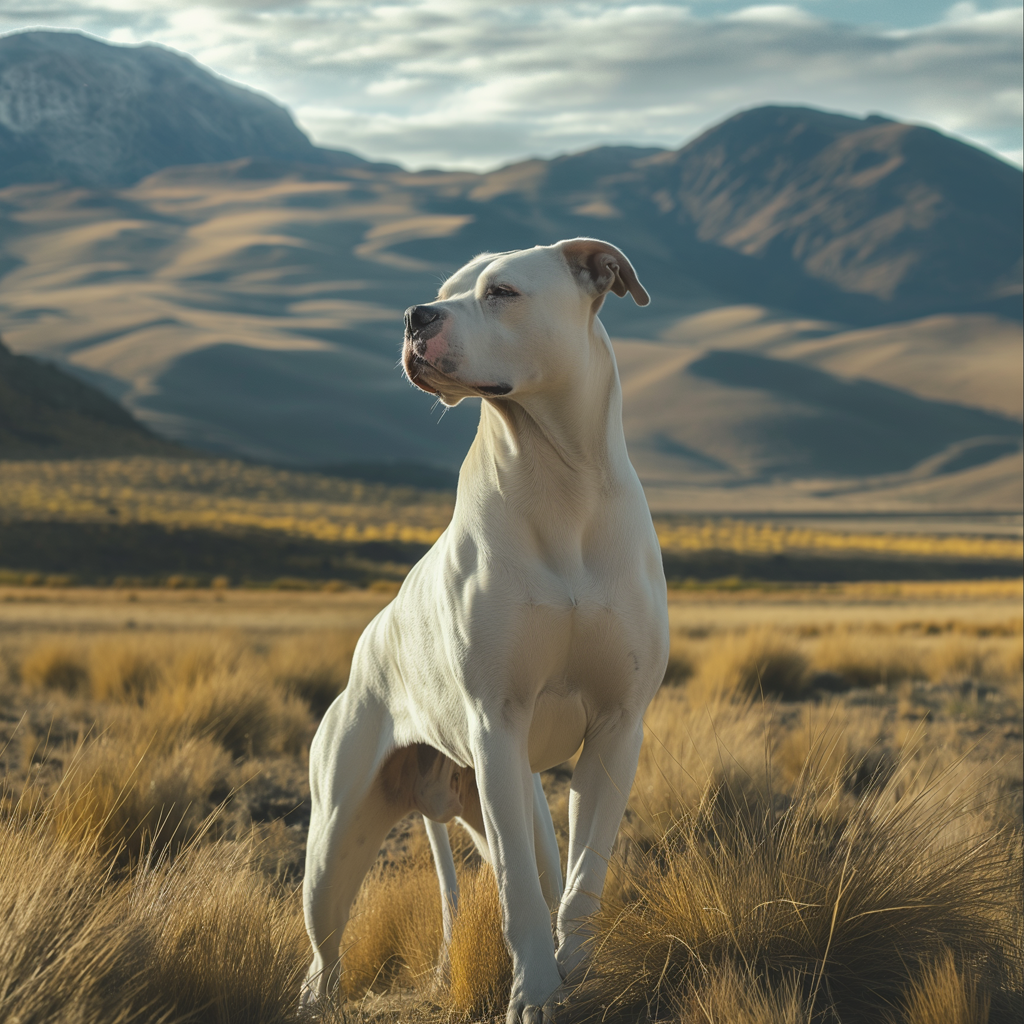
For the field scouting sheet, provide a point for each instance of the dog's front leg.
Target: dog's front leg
(505, 784)
(600, 788)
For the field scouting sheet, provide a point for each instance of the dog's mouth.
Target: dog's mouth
(435, 381)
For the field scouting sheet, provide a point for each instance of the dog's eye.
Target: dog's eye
(500, 291)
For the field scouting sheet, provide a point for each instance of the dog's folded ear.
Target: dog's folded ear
(601, 268)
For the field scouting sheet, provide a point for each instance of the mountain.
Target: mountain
(872, 209)
(45, 413)
(833, 216)
(78, 110)
(836, 318)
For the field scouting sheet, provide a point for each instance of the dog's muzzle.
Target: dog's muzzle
(421, 324)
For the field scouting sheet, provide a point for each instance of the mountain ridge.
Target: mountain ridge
(45, 413)
(253, 306)
(76, 109)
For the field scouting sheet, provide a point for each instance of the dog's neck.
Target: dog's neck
(565, 443)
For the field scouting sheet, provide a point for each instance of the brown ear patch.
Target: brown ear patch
(602, 268)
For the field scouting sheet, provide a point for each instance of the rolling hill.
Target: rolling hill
(45, 413)
(835, 326)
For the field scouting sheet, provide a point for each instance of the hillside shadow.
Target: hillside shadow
(834, 427)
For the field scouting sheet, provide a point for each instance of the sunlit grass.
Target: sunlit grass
(788, 854)
(220, 494)
(762, 538)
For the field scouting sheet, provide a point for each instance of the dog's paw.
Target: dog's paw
(529, 1015)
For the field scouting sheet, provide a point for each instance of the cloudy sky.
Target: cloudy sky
(468, 83)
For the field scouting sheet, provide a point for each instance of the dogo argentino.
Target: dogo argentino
(536, 624)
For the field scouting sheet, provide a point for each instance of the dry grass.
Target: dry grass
(842, 893)
(946, 993)
(395, 931)
(205, 939)
(220, 494)
(763, 538)
(481, 969)
(57, 665)
(752, 663)
(867, 660)
(129, 800)
(242, 712)
(787, 854)
(313, 667)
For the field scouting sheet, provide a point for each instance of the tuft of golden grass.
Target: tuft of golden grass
(226, 945)
(394, 934)
(867, 660)
(123, 669)
(841, 892)
(313, 667)
(481, 968)
(759, 661)
(67, 949)
(733, 995)
(239, 710)
(56, 665)
(204, 939)
(944, 993)
(764, 538)
(690, 748)
(130, 799)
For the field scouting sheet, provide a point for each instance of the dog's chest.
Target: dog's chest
(582, 635)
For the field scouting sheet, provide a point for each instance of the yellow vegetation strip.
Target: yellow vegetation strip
(230, 495)
(768, 538)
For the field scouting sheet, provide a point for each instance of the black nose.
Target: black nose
(418, 317)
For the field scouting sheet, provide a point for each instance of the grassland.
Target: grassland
(148, 520)
(825, 825)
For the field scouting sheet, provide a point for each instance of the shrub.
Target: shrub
(313, 667)
(129, 798)
(749, 664)
(846, 893)
(867, 660)
(56, 665)
(238, 710)
(944, 994)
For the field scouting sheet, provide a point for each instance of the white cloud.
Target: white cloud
(784, 13)
(474, 84)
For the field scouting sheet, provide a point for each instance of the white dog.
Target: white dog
(536, 624)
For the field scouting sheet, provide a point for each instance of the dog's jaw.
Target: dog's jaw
(442, 382)
(415, 366)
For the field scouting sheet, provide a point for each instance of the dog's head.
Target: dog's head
(508, 323)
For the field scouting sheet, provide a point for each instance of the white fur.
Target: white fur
(535, 624)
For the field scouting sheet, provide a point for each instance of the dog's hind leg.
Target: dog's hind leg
(352, 812)
(444, 863)
(545, 845)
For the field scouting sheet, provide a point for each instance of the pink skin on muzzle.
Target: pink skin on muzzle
(433, 351)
